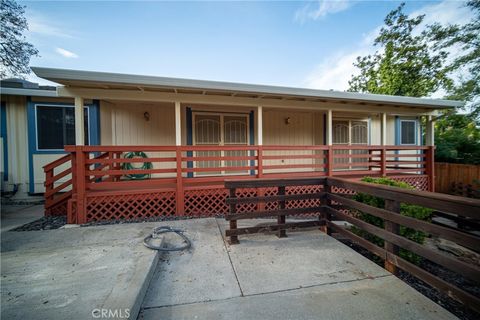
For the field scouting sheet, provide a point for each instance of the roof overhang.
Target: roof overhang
(27, 92)
(101, 81)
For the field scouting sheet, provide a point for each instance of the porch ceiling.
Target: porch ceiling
(98, 82)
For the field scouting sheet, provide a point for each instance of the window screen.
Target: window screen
(407, 132)
(56, 127)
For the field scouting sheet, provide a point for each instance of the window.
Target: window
(407, 131)
(56, 127)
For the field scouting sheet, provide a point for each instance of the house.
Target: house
(82, 144)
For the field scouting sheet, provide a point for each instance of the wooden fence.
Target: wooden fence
(393, 241)
(446, 174)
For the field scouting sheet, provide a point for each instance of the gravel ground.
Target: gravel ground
(44, 223)
(438, 297)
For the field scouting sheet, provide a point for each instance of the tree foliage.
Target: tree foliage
(417, 63)
(465, 64)
(408, 210)
(15, 51)
(457, 137)
(403, 65)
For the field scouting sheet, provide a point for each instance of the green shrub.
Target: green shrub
(409, 210)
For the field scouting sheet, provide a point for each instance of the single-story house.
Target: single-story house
(83, 143)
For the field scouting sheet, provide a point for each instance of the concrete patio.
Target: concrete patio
(70, 273)
(308, 275)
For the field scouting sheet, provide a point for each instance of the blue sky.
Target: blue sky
(302, 44)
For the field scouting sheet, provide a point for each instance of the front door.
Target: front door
(213, 129)
(350, 133)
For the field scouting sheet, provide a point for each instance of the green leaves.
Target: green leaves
(409, 210)
(404, 64)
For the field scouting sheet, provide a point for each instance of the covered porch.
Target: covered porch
(197, 134)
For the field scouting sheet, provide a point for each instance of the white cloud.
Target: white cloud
(335, 71)
(41, 25)
(321, 9)
(66, 53)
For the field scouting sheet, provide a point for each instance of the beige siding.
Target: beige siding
(17, 136)
(391, 130)
(129, 126)
(300, 131)
(125, 124)
(41, 160)
(375, 130)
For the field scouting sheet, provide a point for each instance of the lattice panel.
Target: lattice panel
(272, 205)
(419, 183)
(342, 190)
(211, 202)
(58, 210)
(303, 190)
(130, 206)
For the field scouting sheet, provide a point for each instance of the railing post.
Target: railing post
(329, 161)
(383, 162)
(430, 169)
(260, 162)
(233, 210)
(281, 206)
(326, 214)
(394, 206)
(73, 159)
(80, 185)
(49, 185)
(180, 196)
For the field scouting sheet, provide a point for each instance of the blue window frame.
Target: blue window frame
(55, 126)
(93, 130)
(3, 134)
(406, 131)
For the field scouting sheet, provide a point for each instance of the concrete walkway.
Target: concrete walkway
(306, 276)
(16, 216)
(70, 273)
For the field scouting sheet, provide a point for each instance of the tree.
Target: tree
(457, 137)
(15, 51)
(465, 65)
(416, 63)
(404, 65)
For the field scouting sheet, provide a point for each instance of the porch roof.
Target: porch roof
(105, 80)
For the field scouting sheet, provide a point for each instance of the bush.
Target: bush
(409, 210)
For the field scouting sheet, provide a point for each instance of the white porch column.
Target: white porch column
(259, 125)
(430, 131)
(328, 129)
(79, 122)
(383, 139)
(178, 124)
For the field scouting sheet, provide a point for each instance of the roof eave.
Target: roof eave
(63, 76)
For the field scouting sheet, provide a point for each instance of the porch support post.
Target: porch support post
(430, 131)
(178, 124)
(329, 141)
(328, 128)
(259, 125)
(384, 130)
(383, 142)
(79, 122)
(430, 158)
(180, 196)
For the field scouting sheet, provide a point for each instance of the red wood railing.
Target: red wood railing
(57, 190)
(180, 168)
